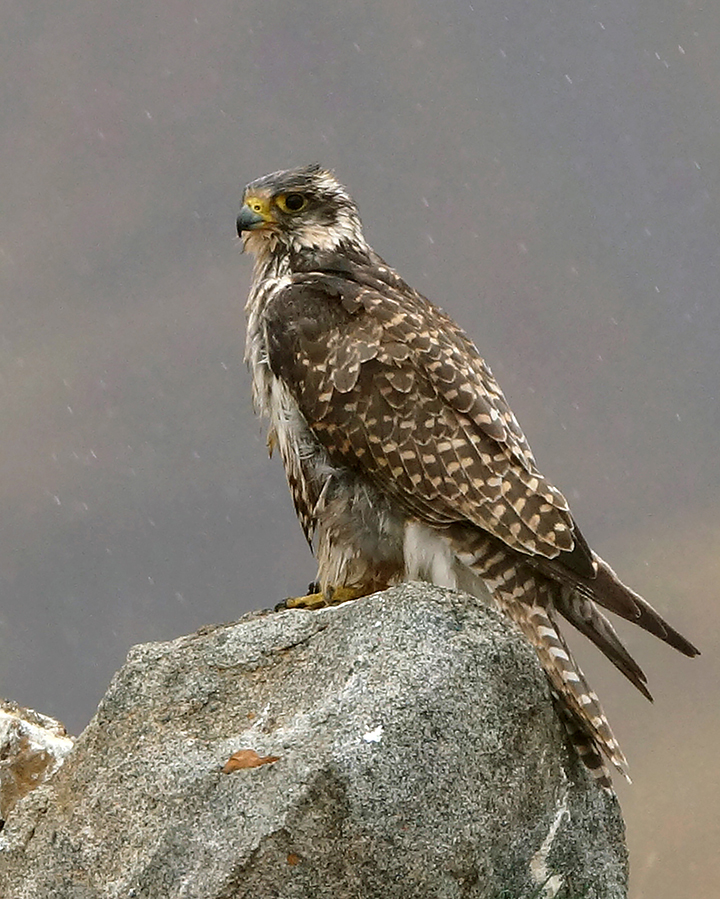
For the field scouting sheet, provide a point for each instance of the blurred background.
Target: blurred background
(549, 173)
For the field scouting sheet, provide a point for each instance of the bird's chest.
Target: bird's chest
(264, 394)
(304, 459)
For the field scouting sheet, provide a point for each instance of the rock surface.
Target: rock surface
(32, 748)
(403, 745)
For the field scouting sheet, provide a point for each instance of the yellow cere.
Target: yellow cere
(261, 205)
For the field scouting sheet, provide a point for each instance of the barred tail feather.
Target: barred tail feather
(585, 720)
(569, 682)
(585, 747)
(584, 615)
(529, 598)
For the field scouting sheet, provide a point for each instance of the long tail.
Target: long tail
(532, 591)
(580, 708)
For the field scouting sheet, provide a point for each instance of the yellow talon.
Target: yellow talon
(310, 601)
(333, 597)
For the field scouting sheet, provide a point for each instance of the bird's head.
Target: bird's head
(304, 209)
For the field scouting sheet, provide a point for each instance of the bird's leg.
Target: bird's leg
(309, 601)
(317, 598)
(336, 595)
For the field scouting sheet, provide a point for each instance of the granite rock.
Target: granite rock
(32, 748)
(403, 745)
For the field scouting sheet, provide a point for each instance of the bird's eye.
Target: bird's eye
(294, 202)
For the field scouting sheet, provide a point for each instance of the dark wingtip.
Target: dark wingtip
(679, 642)
(580, 558)
(626, 603)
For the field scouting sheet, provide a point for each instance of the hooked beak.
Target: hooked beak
(249, 220)
(256, 214)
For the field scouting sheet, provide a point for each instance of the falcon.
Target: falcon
(402, 456)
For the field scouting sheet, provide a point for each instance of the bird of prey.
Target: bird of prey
(403, 458)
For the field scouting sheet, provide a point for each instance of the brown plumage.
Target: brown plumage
(402, 455)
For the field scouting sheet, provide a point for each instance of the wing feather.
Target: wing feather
(393, 388)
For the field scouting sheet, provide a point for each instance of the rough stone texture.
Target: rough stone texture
(419, 756)
(32, 748)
